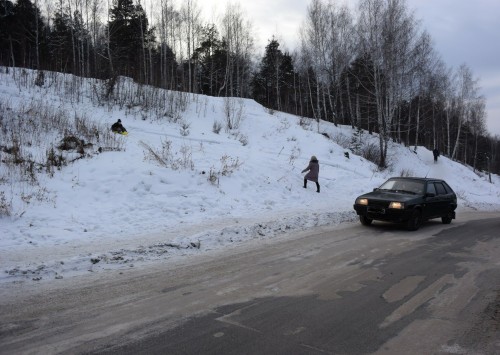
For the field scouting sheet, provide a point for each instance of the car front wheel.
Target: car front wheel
(415, 221)
(447, 219)
(365, 220)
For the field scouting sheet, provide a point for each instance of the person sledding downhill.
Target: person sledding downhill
(117, 127)
(313, 173)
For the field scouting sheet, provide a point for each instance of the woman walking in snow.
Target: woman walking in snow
(313, 173)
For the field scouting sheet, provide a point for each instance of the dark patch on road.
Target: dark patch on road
(174, 288)
(349, 324)
(17, 328)
(483, 337)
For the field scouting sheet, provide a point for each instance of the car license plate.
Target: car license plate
(376, 210)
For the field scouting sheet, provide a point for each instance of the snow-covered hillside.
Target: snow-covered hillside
(119, 209)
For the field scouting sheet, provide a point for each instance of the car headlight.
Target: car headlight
(362, 201)
(397, 205)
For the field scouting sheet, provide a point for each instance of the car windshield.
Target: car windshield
(403, 185)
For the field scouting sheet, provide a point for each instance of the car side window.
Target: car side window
(431, 189)
(440, 188)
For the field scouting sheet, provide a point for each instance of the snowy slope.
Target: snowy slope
(122, 208)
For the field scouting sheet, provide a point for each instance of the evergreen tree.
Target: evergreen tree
(287, 84)
(129, 39)
(23, 34)
(273, 84)
(210, 59)
(6, 26)
(68, 42)
(164, 57)
(359, 101)
(61, 43)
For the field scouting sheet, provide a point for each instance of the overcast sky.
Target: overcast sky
(464, 31)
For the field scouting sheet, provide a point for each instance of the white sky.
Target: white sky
(124, 209)
(464, 31)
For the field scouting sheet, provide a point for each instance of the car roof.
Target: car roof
(423, 179)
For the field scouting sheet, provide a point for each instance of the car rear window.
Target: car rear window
(448, 188)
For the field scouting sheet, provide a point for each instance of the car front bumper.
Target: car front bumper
(383, 214)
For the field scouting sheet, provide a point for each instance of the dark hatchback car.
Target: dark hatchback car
(408, 200)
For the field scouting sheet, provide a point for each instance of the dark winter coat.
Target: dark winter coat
(313, 169)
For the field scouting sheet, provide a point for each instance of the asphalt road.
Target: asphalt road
(345, 290)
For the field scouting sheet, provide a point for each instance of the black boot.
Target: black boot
(317, 187)
(305, 184)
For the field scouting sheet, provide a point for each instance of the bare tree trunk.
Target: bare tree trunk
(455, 147)
(144, 73)
(354, 115)
(417, 128)
(12, 52)
(239, 47)
(358, 114)
(191, 14)
(310, 96)
(448, 138)
(467, 93)
(108, 49)
(332, 107)
(318, 102)
(278, 100)
(325, 109)
(434, 133)
(408, 128)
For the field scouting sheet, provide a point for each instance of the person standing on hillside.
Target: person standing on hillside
(313, 172)
(435, 152)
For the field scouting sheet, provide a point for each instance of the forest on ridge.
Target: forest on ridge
(374, 68)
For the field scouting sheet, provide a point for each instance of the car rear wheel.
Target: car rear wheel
(365, 220)
(415, 221)
(447, 219)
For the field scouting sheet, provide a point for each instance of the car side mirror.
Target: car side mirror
(430, 194)
(375, 189)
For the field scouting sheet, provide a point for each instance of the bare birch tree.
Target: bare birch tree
(236, 31)
(190, 13)
(423, 65)
(388, 34)
(169, 34)
(314, 47)
(466, 92)
(477, 124)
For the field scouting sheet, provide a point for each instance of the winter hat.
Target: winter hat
(119, 120)
(313, 158)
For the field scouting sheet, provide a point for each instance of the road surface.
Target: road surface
(343, 290)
